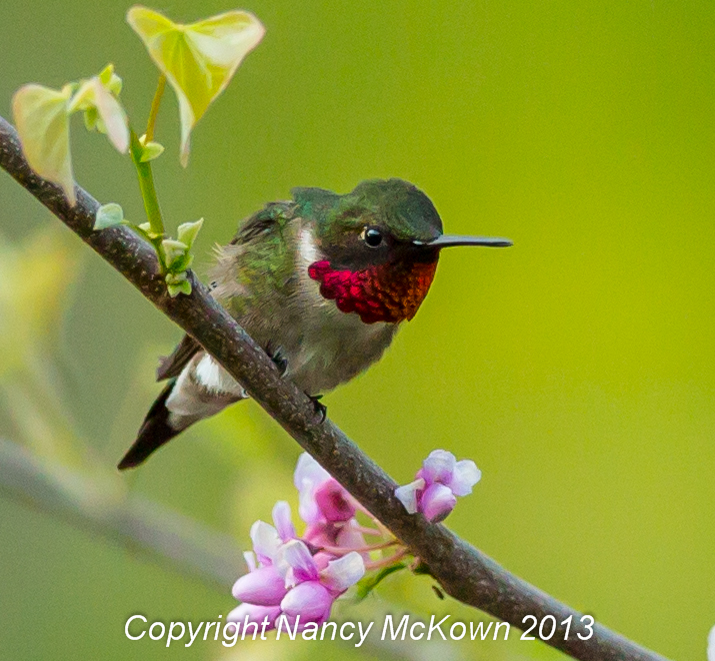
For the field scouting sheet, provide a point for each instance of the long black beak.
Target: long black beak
(447, 240)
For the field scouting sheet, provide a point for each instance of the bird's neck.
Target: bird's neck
(390, 292)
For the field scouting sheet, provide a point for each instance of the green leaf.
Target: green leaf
(150, 151)
(369, 583)
(198, 60)
(188, 231)
(42, 120)
(111, 118)
(111, 80)
(108, 215)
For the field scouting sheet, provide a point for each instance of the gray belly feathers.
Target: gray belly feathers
(320, 353)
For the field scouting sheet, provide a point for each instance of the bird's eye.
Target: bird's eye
(372, 236)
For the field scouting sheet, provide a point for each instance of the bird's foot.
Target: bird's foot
(279, 360)
(319, 407)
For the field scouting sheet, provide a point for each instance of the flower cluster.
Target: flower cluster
(300, 578)
(437, 484)
(293, 581)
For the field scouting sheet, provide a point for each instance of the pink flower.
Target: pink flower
(285, 578)
(326, 506)
(264, 585)
(322, 499)
(438, 483)
(312, 590)
(246, 614)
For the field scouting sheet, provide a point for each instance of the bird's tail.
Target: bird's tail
(154, 432)
(201, 389)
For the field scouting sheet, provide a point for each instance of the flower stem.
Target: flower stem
(366, 530)
(148, 191)
(155, 108)
(341, 550)
(385, 562)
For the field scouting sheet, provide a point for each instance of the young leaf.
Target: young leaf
(111, 118)
(108, 215)
(198, 60)
(174, 251)
(42, 119)
(187, 232)
(110, 80)
(369, 583)
(150, 151)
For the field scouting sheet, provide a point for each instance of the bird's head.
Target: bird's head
(377, 247)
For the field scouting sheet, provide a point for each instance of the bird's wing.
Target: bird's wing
(172, 365)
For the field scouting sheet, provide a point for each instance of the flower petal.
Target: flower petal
(199, 59)
(266, 541)
(255, 614)
(42, 120)
(437, 502)
(282, 521)
(308, 476)
(464, 476)
(310, 600)
(295, 563)
(334, 502)
(340, 574)
(349, 537)
(438, 466)
(250, 558)
(711, 645)
(264, 587)
(407, 494)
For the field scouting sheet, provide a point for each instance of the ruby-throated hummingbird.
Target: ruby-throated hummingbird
(322, 282)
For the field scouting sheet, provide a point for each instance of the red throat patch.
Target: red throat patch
(388, 292)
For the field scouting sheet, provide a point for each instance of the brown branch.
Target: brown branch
(463, 571)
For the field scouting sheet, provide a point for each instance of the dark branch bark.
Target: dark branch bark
(464, 572)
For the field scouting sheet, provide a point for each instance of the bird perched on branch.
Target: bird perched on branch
(322, 282)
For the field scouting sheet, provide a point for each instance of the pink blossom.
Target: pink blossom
(438, 483)
(313, 590)
(322, 498)
(246, 614)
(286, 578)
(264, 585)
(326, 506)
(297, 585)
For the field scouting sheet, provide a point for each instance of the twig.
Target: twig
(126, 519)
(464, 572)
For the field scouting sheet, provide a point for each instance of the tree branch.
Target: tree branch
(464, 572)
(126, 519)
(96, 506)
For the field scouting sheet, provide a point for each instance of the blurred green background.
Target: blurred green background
(577, 369)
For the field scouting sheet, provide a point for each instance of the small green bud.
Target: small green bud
(110, 80)
(106, 74)
(108, 215)
(90, 118)
(173, 251)
(150, 151)
(188, 231)
(182, 288)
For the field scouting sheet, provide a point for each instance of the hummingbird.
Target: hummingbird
(322, 282)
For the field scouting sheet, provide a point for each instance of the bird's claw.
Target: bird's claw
(319, 407)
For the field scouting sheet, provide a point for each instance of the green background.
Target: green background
(577, 368)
